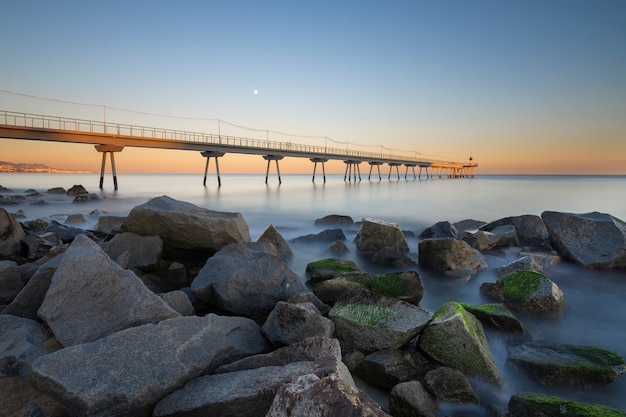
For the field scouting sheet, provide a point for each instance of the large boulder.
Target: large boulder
(387, 368)
(456, 339)
(375, 235)
(555, 364)
(452, 256)
(273, 236)
(21, 342)
(530, 228)
(527, 292)
(128, 372)
(367, 322)
(496, 316)
(19, 399)
(328, 396)
(290, 323)
(410, 399)
(11, 234)
(91, 296)
(528, 404)
(450, 385)
(10, 281)
(440, 230)
(186, 227)
(594, 240)
(144, 252)
(247, 279)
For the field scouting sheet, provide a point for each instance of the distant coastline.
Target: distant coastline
(20, 168)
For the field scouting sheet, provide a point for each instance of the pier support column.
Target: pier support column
(111, 149)
(275, 158)
(372, 164)
(391, 165)
(352, 167)
(407, 170)
(208, 155)
(323, 161)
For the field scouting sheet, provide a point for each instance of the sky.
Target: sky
(523, 87)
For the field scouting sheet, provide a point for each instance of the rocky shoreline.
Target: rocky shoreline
(173, 310)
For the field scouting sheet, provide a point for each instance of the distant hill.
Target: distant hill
(36, 168)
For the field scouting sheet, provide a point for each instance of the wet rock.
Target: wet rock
(496, 316)
(528, 292)
(507, 235)
(594, 240)
(39, 245)
(10, 281)
(440, 230)
(338, 246)
(328, 396)
(375, 235)
(452, 256)
(331, 290)
(367, 322)
(554, 364)
(76, 190)
(387, 368)
(530, 404)
(329, 235)
(79, 375)
(246, 279)
(529, 228)
(109, 224)
(90, 296)
(185, 227)
(20, 399)
(324, 269)
(179, 301)
(144, 251)
(67, 233)
(273, 236)
(11, 234)
(410, 399)
(450, 385)
(481, 240)
(392, 257)
(291, 323)
(21, 342)
(334, 219)
(456, 339)
(75, 218)
(56, 190)
(467, 224)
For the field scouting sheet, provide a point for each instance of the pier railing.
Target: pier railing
(55, 123)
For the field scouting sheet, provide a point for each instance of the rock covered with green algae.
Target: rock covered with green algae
(456, 338)
(368, 322)
(325, 269)
(555, 364)
(531, 405)
(496, 316)
(527, 291)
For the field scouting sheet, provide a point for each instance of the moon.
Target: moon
(255, 92)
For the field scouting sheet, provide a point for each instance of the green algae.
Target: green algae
(331, 264)
(521, 285)
(555, 406)
(365, 314)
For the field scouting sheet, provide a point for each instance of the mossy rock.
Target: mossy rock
(554, 364)
(324, 269)
(530, 404)
(496, 316)
(532, 293)
(406, 286)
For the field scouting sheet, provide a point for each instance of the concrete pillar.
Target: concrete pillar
(270, 158)
(111, 149)
(208, 155)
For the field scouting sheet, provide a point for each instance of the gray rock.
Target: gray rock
(185, 227)
(311, 349)
(128, 372)
(11, 234)
(290, 323)
(56, 190)
(144, 251)
(375, 235)
(21, 342)
(554, 364)
(75, 218)
(27, 302)
(246, 279)
(480, 239)
(67, 233)
(507, 234)
(10, 281)
(529, 404)
(331, 290)
(328, 396)
(273, 236)
(594, 240)
(440, 230)
(528, 292)
(524, 263)
(496, 316)
(39, 245)
(410, 399)
(452, 256)
(387, 368)
(456, 339)
(329, 235)
(90, 296)
(450, 385)
(338, 246)
(467, 224)
(109, 224)
(77, 190)
(179, 301)
(529, 228)
(367, 322)
(233, 394)
(392, 257)
(334, 219)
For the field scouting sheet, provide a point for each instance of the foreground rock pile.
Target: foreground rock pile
(174, 311)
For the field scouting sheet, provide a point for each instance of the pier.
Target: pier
(110, 138)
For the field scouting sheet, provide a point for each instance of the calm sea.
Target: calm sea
(595, 307)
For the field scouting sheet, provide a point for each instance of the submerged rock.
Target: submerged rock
(555, 364)
(452, 256)
(529, 228)
(594, 240)
(496, 316)
(375, 235)
(409, 399)
(530, 404)
(273, 236)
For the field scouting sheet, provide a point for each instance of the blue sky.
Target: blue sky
(543, 82)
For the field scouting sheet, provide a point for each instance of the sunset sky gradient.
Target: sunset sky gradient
(525, 87)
